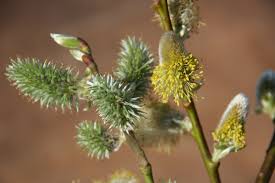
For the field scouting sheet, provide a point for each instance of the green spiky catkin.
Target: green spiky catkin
(135, 65)
(115, 102)
(44, 82)
(96, 140)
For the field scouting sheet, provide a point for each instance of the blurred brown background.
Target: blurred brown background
(36, 145)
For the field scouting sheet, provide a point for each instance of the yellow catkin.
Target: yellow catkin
(179, 77)
(231, 132)
(122, 176)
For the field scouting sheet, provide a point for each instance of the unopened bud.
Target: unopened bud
(71, 42)
(265, 93)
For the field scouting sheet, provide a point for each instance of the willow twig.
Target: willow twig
(161, 7)
(268, 165)
(197, 133)
(145, 166)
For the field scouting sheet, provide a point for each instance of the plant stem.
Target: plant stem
(90, 63)
(197, 133)
(161, 7)
(268, 165)
(145, 166)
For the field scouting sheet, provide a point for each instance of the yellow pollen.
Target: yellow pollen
(231, 132)
(179, 77)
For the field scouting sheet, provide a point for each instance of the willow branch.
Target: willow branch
(161, 7)
(145, 166)
(197, 133)
(268, 165)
